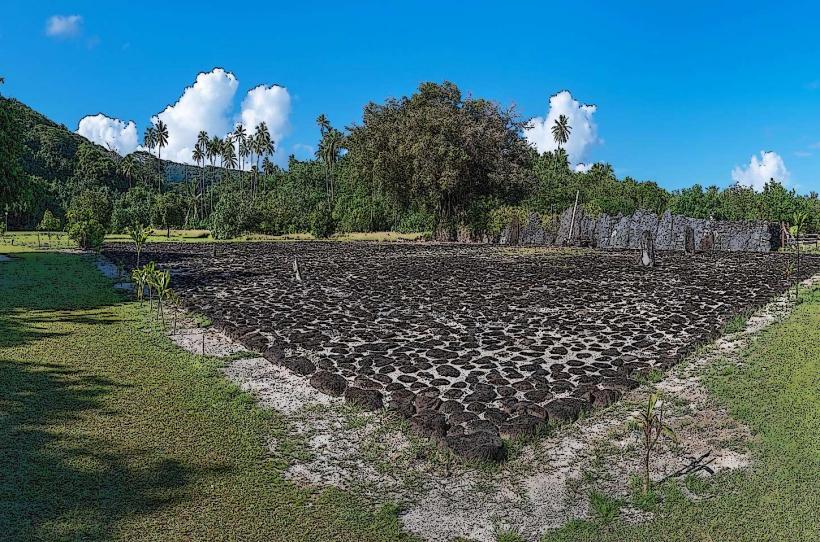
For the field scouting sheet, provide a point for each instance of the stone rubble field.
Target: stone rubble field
(470, 343)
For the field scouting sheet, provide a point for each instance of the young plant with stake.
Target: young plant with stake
(651, 426)
(150, 270)
(139, 235)
(162, 283)
(139, 278)
(798, 225)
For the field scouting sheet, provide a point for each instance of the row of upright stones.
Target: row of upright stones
(647, 256)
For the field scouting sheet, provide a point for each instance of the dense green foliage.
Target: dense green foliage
(434, 161)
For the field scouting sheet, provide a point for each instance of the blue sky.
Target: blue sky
(682, 94)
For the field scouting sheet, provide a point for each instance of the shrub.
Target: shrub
(232, 216)
(416, 221)
(88, 215)
(501, 217)
(49, 223)
(321, 221)
(89, 234)
(131, 209)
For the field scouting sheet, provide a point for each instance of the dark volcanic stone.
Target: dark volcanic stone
(481, 446)
(524, 425)
(366, 399)
(620, 384)
(566, 409)
(329, 383)
(367, 384)
(429, 423)
(447, 370)
(450, 407)
(300, 365)
(427, 400)
(274, 354)
(604, 397)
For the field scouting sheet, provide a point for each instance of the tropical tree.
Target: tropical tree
(267, 167)
(328, 152)
(228, 154)
(161, 130)
(128, 167)
(561, 130)
(49, 223)
(323, 123)
(149, 138)
(262, 146)
(439, 152)
(240, 135)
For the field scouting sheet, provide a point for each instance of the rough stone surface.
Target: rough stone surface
(482, 445)
(329, 383)
(468, 332)
(670, 232)
(366, 399)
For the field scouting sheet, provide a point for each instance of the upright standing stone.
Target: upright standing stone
(689, 241)
(296, 270)
(707, 243)
(647, 249)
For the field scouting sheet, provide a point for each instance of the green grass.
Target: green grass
(777, 393)
(109, 432)
(31, 239)
(508, 536)
(737, 323)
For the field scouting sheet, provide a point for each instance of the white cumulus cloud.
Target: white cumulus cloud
(205, 105)
(270, 105)
(583, 134)
(64, 26)
(760, 170)
(208, 104)
(111, 133)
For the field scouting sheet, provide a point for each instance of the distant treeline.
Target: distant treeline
(435, 161)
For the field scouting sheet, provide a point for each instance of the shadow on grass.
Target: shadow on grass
(61, 477)
(60, 483)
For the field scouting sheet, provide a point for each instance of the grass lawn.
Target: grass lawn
(777, 393)
(108, 431)
(33, 239)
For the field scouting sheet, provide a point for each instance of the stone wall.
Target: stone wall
(606, 231)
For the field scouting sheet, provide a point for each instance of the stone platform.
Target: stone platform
(470, 343)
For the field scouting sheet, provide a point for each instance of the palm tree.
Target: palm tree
(323, 123)
(198, 156)
(561, 130)
(149, 138)
(228, 154)
(240, 135)
(128, 167)
(328, 152)
(161, 135)
(267, 167)
(263, 146)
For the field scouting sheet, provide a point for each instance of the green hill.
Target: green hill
(56, 162)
